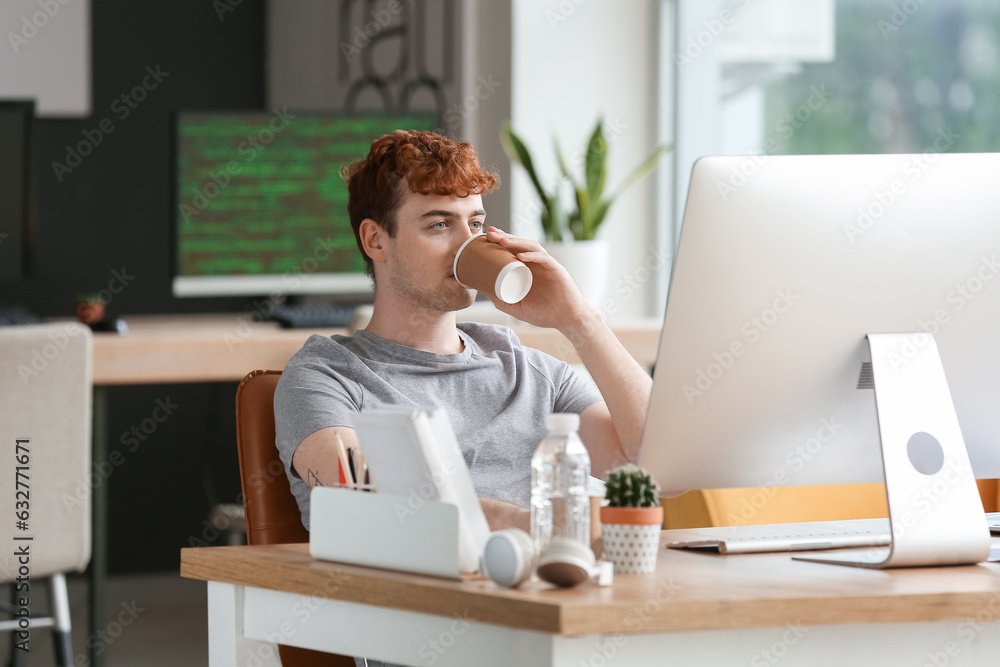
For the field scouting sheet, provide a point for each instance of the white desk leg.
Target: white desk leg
(227, 647)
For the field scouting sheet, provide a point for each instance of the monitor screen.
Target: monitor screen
(16, 118)
(260, 207)
(783, 267)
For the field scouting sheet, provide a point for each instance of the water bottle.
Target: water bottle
(560, 468)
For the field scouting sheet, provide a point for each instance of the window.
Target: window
(753, 77)
(908, 76)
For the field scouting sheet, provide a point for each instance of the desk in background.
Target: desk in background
(224, 348)
(697, 608)
(211, 348)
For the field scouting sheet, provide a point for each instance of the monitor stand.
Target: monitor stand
(935, 509)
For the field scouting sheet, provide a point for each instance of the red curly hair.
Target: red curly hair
(426, 162)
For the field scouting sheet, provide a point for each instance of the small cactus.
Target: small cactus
(631, 486)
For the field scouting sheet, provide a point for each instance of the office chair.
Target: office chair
(272, 515)
(45, 426)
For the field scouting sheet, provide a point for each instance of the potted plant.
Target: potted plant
(90, 307)
(632, 520)
(571, 232)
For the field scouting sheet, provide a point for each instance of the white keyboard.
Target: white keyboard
(783, 537)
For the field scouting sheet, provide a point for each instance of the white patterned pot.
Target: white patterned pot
(587, 263)
(632, 537)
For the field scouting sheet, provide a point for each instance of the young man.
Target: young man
(413, 201)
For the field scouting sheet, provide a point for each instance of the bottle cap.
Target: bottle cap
(561, 422)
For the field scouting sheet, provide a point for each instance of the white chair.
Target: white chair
(45, 433)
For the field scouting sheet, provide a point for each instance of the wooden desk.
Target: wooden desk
(224, 348)
(213, 348)
(696, 609)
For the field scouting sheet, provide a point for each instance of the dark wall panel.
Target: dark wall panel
(112, 213)
(113, 209)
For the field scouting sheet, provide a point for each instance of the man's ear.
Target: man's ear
(373, 239)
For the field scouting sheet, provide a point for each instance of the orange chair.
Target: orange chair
(272, 514)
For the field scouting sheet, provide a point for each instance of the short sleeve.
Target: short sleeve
(576, 392)
(311, 395)
(573, 391)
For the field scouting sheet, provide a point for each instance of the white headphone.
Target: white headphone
(509, 556)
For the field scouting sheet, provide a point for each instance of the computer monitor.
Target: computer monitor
(260, 208)
(16, 203)
(784, 265)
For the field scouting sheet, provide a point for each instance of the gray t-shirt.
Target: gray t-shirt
(496, 394)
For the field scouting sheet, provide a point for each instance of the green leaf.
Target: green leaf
(595, 163)
(564, 166)
(599, 212)
(552, 215)
(641, 171)
(554, 231)
(582, 203)
(575, 224)
(518, 152)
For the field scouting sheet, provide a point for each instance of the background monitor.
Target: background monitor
(16, 205)
(784, 264)
(260, 208)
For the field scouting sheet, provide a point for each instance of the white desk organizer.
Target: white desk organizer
(935, 509)
(379, 530)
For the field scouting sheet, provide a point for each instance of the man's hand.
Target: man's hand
(554, 300)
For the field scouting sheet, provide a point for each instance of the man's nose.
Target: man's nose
(465, 233)
(470, 232)
(461, 237)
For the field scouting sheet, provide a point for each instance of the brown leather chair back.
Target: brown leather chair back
(272, 514)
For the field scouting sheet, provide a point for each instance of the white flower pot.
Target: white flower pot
(633, 549)
(632, 538)
(587, 263)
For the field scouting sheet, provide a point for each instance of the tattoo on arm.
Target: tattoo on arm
(312, 479)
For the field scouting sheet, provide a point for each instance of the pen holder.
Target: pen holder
(365, 529)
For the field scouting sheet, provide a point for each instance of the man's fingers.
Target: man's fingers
(512, 242)
(533, 256)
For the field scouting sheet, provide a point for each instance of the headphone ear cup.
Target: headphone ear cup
(565, 562)
(507, 557)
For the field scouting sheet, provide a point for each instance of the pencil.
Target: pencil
(345, 466)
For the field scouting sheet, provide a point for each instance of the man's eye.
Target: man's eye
(476, 224)
(440, 224)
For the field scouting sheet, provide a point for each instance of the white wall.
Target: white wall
(575, 60)
(45, 55)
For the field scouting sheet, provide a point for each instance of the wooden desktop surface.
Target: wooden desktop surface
(689, 591)
(213, 348)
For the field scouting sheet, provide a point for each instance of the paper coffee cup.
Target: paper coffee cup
(491, 268)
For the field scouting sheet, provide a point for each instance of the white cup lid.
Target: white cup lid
(513, 282)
